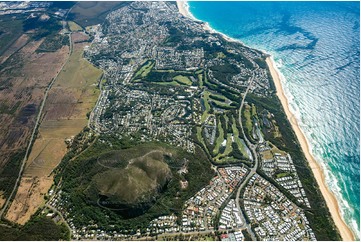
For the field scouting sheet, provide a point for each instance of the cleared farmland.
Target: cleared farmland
(72, 96)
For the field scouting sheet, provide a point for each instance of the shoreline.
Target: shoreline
(183, 8)
(345, 231)
(331, 201)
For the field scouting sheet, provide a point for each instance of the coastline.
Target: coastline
(331, 201)
(183, 8)
(317, 171)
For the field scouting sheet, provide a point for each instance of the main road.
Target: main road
(254, 168)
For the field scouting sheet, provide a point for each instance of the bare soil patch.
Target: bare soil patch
(80, 37)
(73, 94)
(2, 200)
(29, 197)
(24, 77)
(20, 42)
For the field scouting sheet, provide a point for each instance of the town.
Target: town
(277, 218)
(168, 79)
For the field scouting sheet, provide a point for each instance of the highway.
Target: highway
(254, 168)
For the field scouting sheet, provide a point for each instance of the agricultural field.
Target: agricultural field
(19, 43)
(25, 203)
(74, 27)
(24, 76)
(11, 30)
(71, 97)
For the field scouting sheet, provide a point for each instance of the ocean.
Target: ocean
(316, 46)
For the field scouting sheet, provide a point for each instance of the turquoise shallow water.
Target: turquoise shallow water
(316, 46)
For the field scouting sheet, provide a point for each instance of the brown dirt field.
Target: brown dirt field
(20, 42)
(25, 84)
(23, 79)
(45, 156)
(28, 199)
(71, 103)
(79, 37)
(267, 155)
(2, 200)
(55, 129)
(73, 94)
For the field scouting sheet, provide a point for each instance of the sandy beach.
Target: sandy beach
(331, 201)
(183, 9)
(329, 197)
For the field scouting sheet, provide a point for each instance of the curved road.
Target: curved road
(61, 216)
(254, 168)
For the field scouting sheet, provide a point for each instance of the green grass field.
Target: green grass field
(226, 118)
(200, 80)
(205, 98)
(220, 101)
(172, 83)
(200, 137)
(248, 119)
(162, 77)
(10, 29)
(254, 112)
(78, 72)
(207, 83)
(221, 55)
(218, 97)
(274, 149)
(223, 157)
(222, 104)
(200, 71)
(219, 139)
(174, 71)
(283, 174)
(228, 145)
(144, 69)
(183, 80)
(235, 130)
(74, 27)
